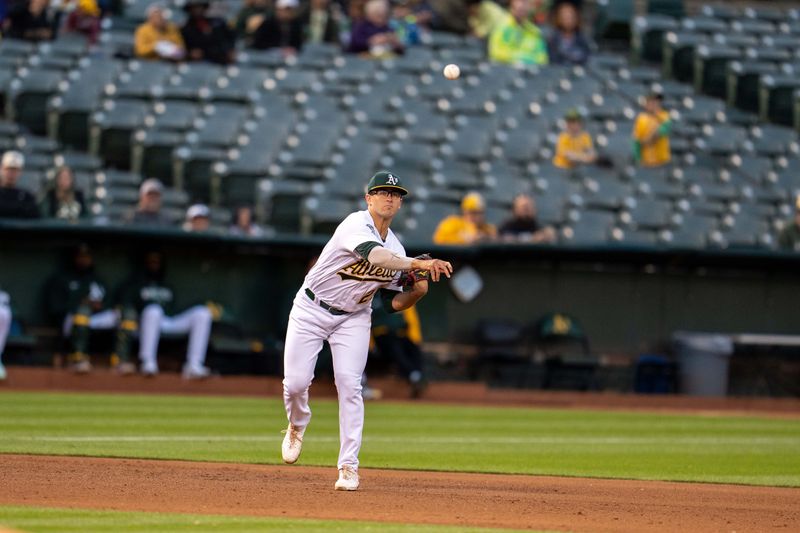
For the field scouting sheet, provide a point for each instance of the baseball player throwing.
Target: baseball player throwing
(362, 259)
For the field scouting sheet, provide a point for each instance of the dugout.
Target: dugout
(629, 299)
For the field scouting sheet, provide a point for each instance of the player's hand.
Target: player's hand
(437, 268)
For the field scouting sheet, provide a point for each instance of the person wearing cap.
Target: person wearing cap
(15, 202)
(207, 38)
(148, 211)
(283, 29)
(574, 146)
(523, 226)
(469, 227)
(198, 219)
(146, 294)
(77, 300)
(158, 38)
(789, 237)
(651, 133)
(517, 40)
(362, 260)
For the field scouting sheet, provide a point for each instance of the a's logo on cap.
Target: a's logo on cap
(391, 180)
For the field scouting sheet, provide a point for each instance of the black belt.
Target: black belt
(329, 308)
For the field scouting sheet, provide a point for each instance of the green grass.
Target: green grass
(749, 450)
(42, 520)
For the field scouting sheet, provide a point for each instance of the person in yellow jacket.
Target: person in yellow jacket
(574, 145)
(651, 133)
(469, 227)
(157, 38)
(517, 40)
(484, 17)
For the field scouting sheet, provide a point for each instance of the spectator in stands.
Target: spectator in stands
(207, 38)
(5, 327)
(32, 20)
(517, 41)
(250, 17)
(484, 17)
(574, 147)
(85, 18)
(468, 228)
(14, 201)
(78, 301)
(523, 225)
(789, 238)
(397, 338)
(243, 225)
(283, 29)
(373, 36)
(148, 212)
(62, 200)
(651, 133)
(407, 27)
(198, 219)
(567, 45)
(147, 293)
(157, 38)
(322, 22)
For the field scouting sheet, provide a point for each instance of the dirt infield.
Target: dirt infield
(550, 503)
(103, 380)
(514, 501)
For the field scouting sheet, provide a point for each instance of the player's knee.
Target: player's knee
(5, 314)
(203, 314)
(348, 386)
(152, 311)
(294, 385)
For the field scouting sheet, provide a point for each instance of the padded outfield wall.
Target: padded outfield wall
(628, 299)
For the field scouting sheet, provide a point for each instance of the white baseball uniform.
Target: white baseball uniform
(5, 326)
(334, 304)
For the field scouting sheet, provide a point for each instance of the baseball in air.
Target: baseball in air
(452, 72)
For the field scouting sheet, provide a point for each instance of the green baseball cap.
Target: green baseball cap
(386, 180)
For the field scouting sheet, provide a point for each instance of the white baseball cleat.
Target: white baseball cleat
(292, 444)
(348, 478)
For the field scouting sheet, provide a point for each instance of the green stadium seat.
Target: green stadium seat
(111, 128)
(27, 95)
(710, 68)
(678, 54)
(322, 214)
(192, 169)
(776, 98)
(151, 153)
(613, 20)
(743, 82)
(648, 34)
(669, 8)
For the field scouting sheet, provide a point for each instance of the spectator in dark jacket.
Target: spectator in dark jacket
(283, 29)
(523, 226)
(32, 21)
(206, 38)
(148, 212)
(250, 17)
(567, 46)
(14, 201)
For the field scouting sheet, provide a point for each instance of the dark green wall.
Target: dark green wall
(627, 299)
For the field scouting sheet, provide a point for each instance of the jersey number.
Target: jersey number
(367, 296)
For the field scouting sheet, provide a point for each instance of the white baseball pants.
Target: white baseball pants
(5, 326)
(196, 321)
(348, 336)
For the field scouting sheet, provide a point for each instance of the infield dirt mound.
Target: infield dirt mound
(551, 503)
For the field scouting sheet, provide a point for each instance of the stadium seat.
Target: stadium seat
(670, 8)
(648, 214)
(710, 68)
(776, 98)
(143, 80)
(151, 153)
(27, 96)
(111, 127)
(192, 169)
(613, 20)
(648, 34)
(240, 84)
(321, 214)
(743, 82)
(678, 54)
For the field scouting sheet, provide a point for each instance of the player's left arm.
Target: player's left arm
(395, 301)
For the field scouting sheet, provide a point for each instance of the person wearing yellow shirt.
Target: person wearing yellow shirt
(517, 40)
(467, 228)
(651, 133)
(157, 38)
(484, 17)
(574, 145)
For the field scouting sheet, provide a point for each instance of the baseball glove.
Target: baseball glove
(413, 276)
